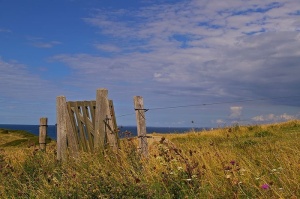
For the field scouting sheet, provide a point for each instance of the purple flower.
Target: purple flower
(265, 186)
(232, 162)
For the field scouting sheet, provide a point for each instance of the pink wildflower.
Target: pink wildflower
(265, 186)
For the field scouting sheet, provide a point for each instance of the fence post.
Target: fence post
(100, 116)
(61, 128)
(141, 124)
(43, 133)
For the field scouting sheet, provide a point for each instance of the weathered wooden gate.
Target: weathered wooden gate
(82, 115)
(86, 125)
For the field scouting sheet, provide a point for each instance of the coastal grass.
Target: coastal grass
(260, 161)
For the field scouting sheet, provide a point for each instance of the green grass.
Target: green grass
(18, 138)
(237, 162)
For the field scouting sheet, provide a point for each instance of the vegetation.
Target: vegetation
(237, 162)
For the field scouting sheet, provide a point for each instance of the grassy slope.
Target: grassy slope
(237, 162)
(16, 138)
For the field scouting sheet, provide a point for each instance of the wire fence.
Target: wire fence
(223, 121)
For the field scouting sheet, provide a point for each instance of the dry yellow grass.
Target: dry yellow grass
(236, 162)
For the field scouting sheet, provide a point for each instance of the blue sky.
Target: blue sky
(173, 53)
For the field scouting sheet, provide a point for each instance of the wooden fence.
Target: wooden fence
(85, 125)
(91, 126)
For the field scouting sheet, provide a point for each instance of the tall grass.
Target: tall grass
(235, 162)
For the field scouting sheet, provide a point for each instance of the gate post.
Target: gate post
(61, 128)
(141, 124)
(100, 117)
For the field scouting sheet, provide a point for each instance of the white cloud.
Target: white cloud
(107, 47)
(185, 52)
(20, 83)
(220, 122)
(46, 44)
(236, 112)
(273, 118)
(218, 53)
(40, 42)
(208, 50)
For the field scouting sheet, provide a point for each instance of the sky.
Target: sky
(196, 63)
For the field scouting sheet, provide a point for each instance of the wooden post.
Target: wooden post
(61, 121)
(141, 124)
(43, 133)
(100, 116)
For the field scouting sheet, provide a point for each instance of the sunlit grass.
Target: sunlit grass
(236, 162)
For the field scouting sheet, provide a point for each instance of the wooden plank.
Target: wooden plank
(86, 121)
(80, 127)
(100, 116)
(72, 139)
(141, 124)
(43, 133)
(70, 107)
(93, 110)
(114, 126)
(89, 120)
(61, 128)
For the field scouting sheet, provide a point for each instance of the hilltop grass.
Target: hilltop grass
(19, 138)
(236, 162)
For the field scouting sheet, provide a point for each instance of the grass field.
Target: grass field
(236, 162)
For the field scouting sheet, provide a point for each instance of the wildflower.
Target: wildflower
(265, 186)
(232, 162)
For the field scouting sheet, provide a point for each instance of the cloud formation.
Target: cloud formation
(177, 53)
(274, 118)
(236, 112)
(236, 49)
(41, 43)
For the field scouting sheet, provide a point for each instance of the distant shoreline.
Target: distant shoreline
(51, 131)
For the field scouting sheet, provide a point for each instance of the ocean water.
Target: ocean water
(51, 130)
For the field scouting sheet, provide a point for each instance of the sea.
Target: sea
(125, 131)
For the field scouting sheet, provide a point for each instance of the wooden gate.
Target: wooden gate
(82, 115)
(86, 125)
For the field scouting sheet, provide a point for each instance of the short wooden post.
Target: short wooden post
(100, 117)
(61, 128)
(141, 124)
(43, 133)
